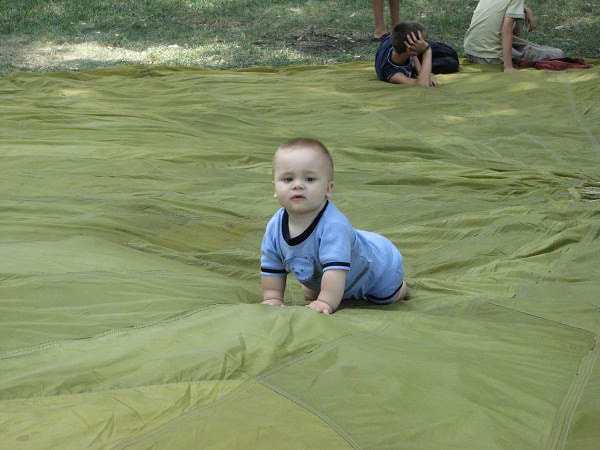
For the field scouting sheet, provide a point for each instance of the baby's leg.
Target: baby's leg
(401, 294)
(309, 294)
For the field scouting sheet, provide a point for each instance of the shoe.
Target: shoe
(381, 38)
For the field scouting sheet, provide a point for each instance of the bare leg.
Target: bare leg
(401, 294)
(380, 28)
(394, 12)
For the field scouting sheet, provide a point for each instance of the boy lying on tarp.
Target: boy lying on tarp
(312, 239)
(406, 57)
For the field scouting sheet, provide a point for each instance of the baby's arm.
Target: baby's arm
(273, 290)
(333, 284)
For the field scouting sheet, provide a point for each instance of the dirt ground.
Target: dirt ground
(18, 54)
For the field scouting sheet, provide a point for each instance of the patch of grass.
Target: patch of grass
(41, 35)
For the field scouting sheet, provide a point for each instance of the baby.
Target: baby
(312, 239)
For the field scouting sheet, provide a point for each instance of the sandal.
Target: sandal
(381, 38)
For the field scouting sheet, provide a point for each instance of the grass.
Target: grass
(50, 35)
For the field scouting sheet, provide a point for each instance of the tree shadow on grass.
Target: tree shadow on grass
(63, 35)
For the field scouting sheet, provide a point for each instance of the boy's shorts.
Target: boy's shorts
(523, 50)
(477, 60)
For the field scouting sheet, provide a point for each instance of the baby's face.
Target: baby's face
(302, 180)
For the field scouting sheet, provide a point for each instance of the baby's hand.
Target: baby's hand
(272, 302)
(320, 307)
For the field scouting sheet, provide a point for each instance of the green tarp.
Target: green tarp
(133, 201)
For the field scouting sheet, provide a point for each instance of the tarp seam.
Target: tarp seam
(112, 332)
(261, 379)
(566, 412)
(334, 426)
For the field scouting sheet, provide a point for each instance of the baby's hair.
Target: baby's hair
(401, 30)
(308, 143)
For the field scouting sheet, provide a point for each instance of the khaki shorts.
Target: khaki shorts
(477, 60)
(523, 50)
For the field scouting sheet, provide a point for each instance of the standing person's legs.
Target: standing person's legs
(378, 12)
(380, 28)
(394, 12)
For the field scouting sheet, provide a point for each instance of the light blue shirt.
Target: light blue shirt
(373, 263)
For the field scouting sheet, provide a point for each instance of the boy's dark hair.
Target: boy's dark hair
(401, 29)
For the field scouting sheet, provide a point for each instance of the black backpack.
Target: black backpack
(444, 59)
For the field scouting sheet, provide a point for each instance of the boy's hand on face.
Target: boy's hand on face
(415, 43)
(320, 307)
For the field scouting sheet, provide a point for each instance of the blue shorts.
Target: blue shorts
(384, 300)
